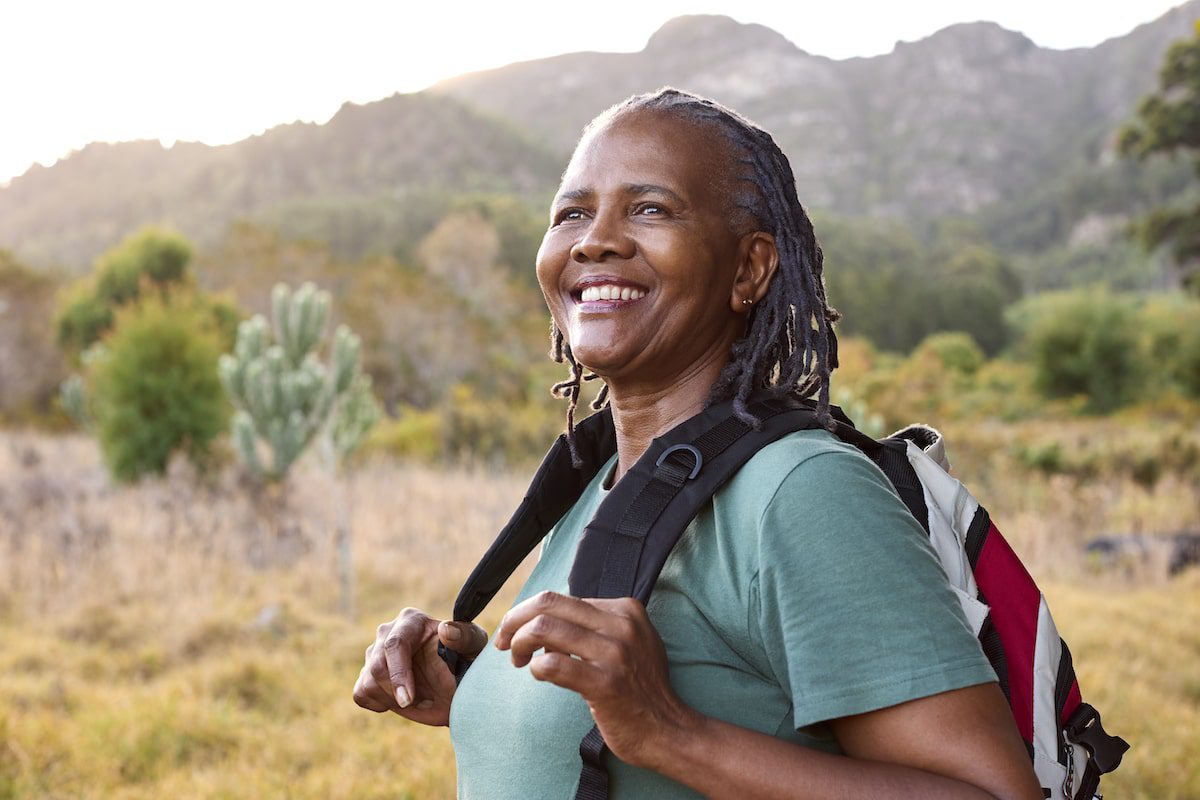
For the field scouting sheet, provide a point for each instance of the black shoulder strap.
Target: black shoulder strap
(626, 544)
(555, 487)
(624, 547)
(665, 490)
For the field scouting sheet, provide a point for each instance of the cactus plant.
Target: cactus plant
(284, 395)
(72, 395)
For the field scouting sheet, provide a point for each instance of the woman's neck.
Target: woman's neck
(644, 412)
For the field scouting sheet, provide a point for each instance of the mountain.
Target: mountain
(367, 160)
(973, 120)
(971, 116)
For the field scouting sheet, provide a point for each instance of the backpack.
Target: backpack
(624, 547)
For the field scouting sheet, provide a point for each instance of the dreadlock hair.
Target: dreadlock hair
(789, 345)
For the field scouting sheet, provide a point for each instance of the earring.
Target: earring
(746, 301)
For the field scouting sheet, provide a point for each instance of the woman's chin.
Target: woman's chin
(604, 360)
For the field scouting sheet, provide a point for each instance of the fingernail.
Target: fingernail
(453, 634)
(402, 698)
(425, 704)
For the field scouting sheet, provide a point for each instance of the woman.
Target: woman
(801, 641)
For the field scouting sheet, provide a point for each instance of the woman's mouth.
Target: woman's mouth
(596, 295)
(610, 292)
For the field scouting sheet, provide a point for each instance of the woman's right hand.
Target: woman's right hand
(403, 671)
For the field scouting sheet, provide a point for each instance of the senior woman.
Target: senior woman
(801, 640)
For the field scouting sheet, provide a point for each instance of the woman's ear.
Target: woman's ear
(758, 259)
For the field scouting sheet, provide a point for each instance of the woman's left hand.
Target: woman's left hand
(610, 653)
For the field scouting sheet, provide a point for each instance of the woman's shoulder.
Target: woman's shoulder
(812, 492)
(813, 462)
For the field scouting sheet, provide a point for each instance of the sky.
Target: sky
(221, 70)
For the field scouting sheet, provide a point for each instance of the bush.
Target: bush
(83, 320)
(155, 388)
(415, 434)
(1172, 328)
(1083, 343)
(149, 258)
(1187, 364)
(955, 350)
(158, 256)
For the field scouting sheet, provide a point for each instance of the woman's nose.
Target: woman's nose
(604, 238)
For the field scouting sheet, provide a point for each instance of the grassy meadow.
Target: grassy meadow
(181, 637)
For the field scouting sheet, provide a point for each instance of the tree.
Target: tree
(1168, 124)
(150, 260)
(154, 387)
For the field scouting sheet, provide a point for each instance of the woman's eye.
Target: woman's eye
(568, 214)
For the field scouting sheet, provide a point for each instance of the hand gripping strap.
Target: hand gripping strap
(626, 544)
(555, 487)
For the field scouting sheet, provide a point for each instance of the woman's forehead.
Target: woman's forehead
(649, 149)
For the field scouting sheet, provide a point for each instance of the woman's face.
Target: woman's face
(640, 267)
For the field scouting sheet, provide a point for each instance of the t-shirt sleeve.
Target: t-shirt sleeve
(853, 609)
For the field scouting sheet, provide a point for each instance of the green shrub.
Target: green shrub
(148, 258)
(1172, 328)
(957, 351)
(159, 256)
(83, 320)
(1187, 363)
(1045, 457)
(155, 389)
(1084, 343)
(415, 433)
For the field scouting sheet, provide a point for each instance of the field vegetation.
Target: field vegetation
(181, 637)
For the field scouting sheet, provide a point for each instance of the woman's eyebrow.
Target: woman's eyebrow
(650, 188)
(584, 192)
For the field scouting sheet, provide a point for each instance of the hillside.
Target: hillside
(969, 117)
(974, 120)
(357, 171)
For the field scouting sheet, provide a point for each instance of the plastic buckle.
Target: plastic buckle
(686, 448)
(1084, 728)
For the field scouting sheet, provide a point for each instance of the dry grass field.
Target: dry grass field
(182, 638)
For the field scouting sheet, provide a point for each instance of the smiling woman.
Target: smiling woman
(726, 185)
(801, 640)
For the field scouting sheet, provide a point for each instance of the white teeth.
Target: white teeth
(610, 292)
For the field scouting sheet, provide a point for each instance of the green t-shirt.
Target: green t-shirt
(804, 593)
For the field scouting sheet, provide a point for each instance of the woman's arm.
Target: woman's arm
(960, 743)
(957, 744)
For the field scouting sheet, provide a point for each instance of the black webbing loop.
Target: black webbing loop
(593, 777)
(458, 663)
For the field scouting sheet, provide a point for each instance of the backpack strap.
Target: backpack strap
(666, 488)
(891, 456)
(624, 547)
(555, 487)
